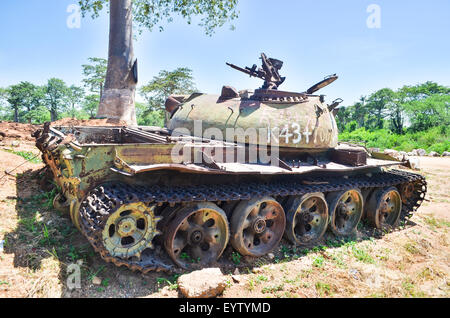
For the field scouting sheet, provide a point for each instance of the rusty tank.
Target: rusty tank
(239, 171)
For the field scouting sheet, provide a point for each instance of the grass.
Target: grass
(105, 282)
(236, 258)
(272, 289)
(185, 256)
(411, 248)
(318, 261)
(323, 289)
(430, 140)
(436, 223)
(410, 290)
(94, 273)
(261, 278)
(171, 281)
(27, 155)
(360, 253)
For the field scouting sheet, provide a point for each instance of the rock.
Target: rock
(15, 143)
(410, 154)
(96, 281)
(205, 283)
(414, 152)
(236, 278)
(433, 154)
(374, 149)
(414, 163)
(421, 152)
(2, 243)
(165, 291)
(393, 153)
(446, 154)
(354, 273)
(271, 256)
(236, 271)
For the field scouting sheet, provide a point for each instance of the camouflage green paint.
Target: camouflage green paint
(306, 125)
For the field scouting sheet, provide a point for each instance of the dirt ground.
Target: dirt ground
(37, 244)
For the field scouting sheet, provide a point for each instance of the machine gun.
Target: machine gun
(269, 72)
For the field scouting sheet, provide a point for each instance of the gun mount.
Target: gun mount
(269, 72)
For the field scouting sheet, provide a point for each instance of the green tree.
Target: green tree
(74, 97)
(118, 98)
(89, 105)
(94, 74)
(166, 83)
(56, 97)
(376, 107)
(23, 99)
(5, 113)
(343, 117)
(430, 112)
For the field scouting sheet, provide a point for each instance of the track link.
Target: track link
(104, 200)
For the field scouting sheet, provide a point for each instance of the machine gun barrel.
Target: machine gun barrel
(246, 70)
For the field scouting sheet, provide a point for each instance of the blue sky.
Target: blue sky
(313, 38)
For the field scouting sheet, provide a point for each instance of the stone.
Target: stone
(421, 152)
(271, 256)
(205, 283)
(96, 281)
(236, 271)
(165, 291)
(414, 152)
(236, 278)
(15, 143)
(410, 154)
(414, 163)
(446, 154)
(433, 154)
(393, 153)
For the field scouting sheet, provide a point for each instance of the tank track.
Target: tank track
(101, 201)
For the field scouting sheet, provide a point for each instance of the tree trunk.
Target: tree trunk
(118, 97)
(53, 114)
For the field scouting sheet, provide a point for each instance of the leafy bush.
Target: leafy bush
(434, 139)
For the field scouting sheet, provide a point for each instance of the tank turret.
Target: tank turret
(290, 119)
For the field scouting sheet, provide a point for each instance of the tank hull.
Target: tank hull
(115, 180)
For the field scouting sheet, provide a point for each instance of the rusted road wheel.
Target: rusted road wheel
(257, 226)
(384, 208)
(346, 208)
(198, 234)
(130, 230)
(306, 218)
